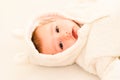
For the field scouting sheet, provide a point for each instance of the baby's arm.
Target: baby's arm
(109, 71)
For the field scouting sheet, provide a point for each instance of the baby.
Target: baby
(90, 40)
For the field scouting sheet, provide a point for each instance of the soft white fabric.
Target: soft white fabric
(96, 49)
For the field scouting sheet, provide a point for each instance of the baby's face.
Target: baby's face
(57, 36)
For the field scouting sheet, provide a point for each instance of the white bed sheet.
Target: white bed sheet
(15, 14)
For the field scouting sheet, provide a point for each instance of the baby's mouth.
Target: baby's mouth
(74, 33)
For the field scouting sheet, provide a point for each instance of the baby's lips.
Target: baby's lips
(74, 33)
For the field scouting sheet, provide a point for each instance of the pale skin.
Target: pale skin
(57, 36)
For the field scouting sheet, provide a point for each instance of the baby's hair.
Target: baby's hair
(36, 41)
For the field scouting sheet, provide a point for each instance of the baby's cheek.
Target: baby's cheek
(69, 43)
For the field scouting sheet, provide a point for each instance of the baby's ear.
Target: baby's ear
(18, 33)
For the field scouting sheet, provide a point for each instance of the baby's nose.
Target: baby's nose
(65, 36)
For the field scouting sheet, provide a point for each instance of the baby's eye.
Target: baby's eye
(57, 29)
(61, 45)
